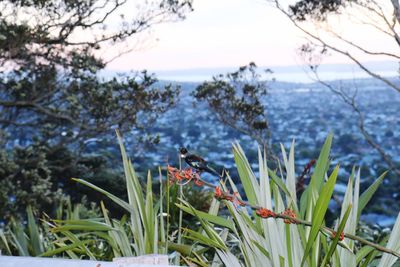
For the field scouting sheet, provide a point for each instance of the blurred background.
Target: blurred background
(201, 74)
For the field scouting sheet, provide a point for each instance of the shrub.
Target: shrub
(271, 223)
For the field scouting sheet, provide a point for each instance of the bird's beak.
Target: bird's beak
(183, 156)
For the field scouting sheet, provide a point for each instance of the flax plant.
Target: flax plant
(142, 231)
(276, 227)
(268, 224)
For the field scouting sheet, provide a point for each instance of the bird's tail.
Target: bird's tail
(213, 171)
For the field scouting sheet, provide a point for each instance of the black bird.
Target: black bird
(197, 162)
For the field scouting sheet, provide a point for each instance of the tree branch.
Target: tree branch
(364, 49)
(337, 50)
(45, 111)
(350, 101)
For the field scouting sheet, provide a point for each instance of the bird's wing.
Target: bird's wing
(195, 158)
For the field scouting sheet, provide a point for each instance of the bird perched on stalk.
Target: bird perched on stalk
(197, 162)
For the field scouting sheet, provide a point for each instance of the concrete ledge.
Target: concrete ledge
(152, 259)
(142, 261)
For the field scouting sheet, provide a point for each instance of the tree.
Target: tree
(238, 100)
(25, 179)
(316, 20)
(50, 57)
(53, 99)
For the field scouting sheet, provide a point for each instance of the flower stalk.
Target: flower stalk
(288, 216)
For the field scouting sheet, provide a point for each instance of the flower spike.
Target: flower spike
(265, 213)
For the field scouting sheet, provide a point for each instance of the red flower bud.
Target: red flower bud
(341, 237)
(265, 213)
(290, 213)
(198, 182)
(218, 192)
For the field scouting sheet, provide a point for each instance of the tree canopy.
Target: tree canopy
(54, 97)
(238, 100)
(51, 57)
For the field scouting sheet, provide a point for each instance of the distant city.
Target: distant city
(298, 109)
(306, 113)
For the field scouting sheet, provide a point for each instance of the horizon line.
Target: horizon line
(390, 64)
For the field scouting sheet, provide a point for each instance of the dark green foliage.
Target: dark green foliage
(25, 179)
(52, 99)
(52, 80)
(33, 236)
(82, 232)
(237, 100)
(82, 108)
(315, 9)
(200, 198)
(64, 165)
(40, 176)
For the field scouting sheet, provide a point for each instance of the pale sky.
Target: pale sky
(218, 33)
(226, 33)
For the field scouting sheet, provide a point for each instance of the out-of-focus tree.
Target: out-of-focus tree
(238, 100)
(25, 179)
(321, 21)
(51, 53)
(53, 97)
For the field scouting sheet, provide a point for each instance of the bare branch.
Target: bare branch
(382, 15)
(337, 50)
(350, 101)
(366, 51)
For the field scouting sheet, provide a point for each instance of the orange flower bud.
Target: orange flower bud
(198, 182)
(188, 173)
(218, 192)
(341, 237)
(290, 213)
(178, 176)
(171, 169)
(265, 213)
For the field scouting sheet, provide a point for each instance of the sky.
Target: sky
(218, 33)
(226, 33)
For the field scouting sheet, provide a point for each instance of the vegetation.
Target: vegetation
(25, 181)
(271, 224)
(238, 100)
(53, 101)
(317, 21)
(53, 62)
(54, 105)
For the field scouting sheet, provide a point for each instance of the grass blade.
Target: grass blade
(320, 210)
(114, 198)
(335, 240)
(36, 243)
(208, 217)
(394, 244)
(65, 248)
(367, 194)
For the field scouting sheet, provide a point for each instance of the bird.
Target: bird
(197, 162)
